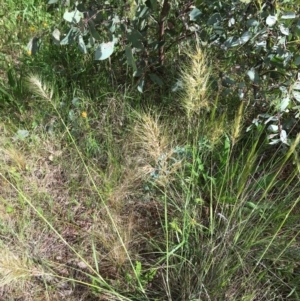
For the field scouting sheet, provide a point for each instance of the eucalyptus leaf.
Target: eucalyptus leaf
(283, 137)
(297, 61)
(138, 73)
(231, 22)
(253, 75)
(156, 79)
(71, 115)
(130, 58)
(56, 36)
(252, 23)
(75, 101)
(195, 14)
(273, 128)
(135, 37)
(144, 12)
(284, 30)
(288, 15)
(21, 135)
(215, 18)
(104, 51)
(73, 16)
(271, 20)
(177, 86)
(70, 37)
(274, 141)
(227, 81)
(242, 40)
(81, 45)
(296, 95)
(296, 85)
(33, 46)
(141, 85)
(93, 30)
(284, 104)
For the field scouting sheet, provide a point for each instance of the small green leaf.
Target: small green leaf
(242, 40)
(273, 128)
(297, 60)
(11, 78)
(52, 1)
(138, 269)
(227, 81)
(33, 46)
(73, 16)
(91, 42)
(93, 30)
(141, 85)
(75, 101)
(284, 30)
(252, 205)
(81, 45)
(252, 22)
(71, 115)
(283, 137)
(135, 37)
(253, 75)
(195, 14)
(104, 51)
(296, 86)
(288, 15)
(156, 79)
(130, 58)
(296, 95)
(21, 135)
(56, 36)
(177, 86)
(214, 19)
(70, 37)
(9, 209)
(152, 4)
(144, 12)
(284, 104)
(138, 72)
(271, 20)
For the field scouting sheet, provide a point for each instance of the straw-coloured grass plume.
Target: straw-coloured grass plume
(151, 136)
(14, 270)
(195, 75)
(155, 153)
(39, 88)
(237, 124)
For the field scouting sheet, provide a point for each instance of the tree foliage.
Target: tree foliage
(254, 43)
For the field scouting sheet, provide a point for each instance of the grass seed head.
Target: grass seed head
(195, 75)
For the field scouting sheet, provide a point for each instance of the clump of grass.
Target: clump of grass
(224, 212)
(225, 226)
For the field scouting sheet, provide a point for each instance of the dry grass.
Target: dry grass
(53, 178)
(195, 75)
(154, 142)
